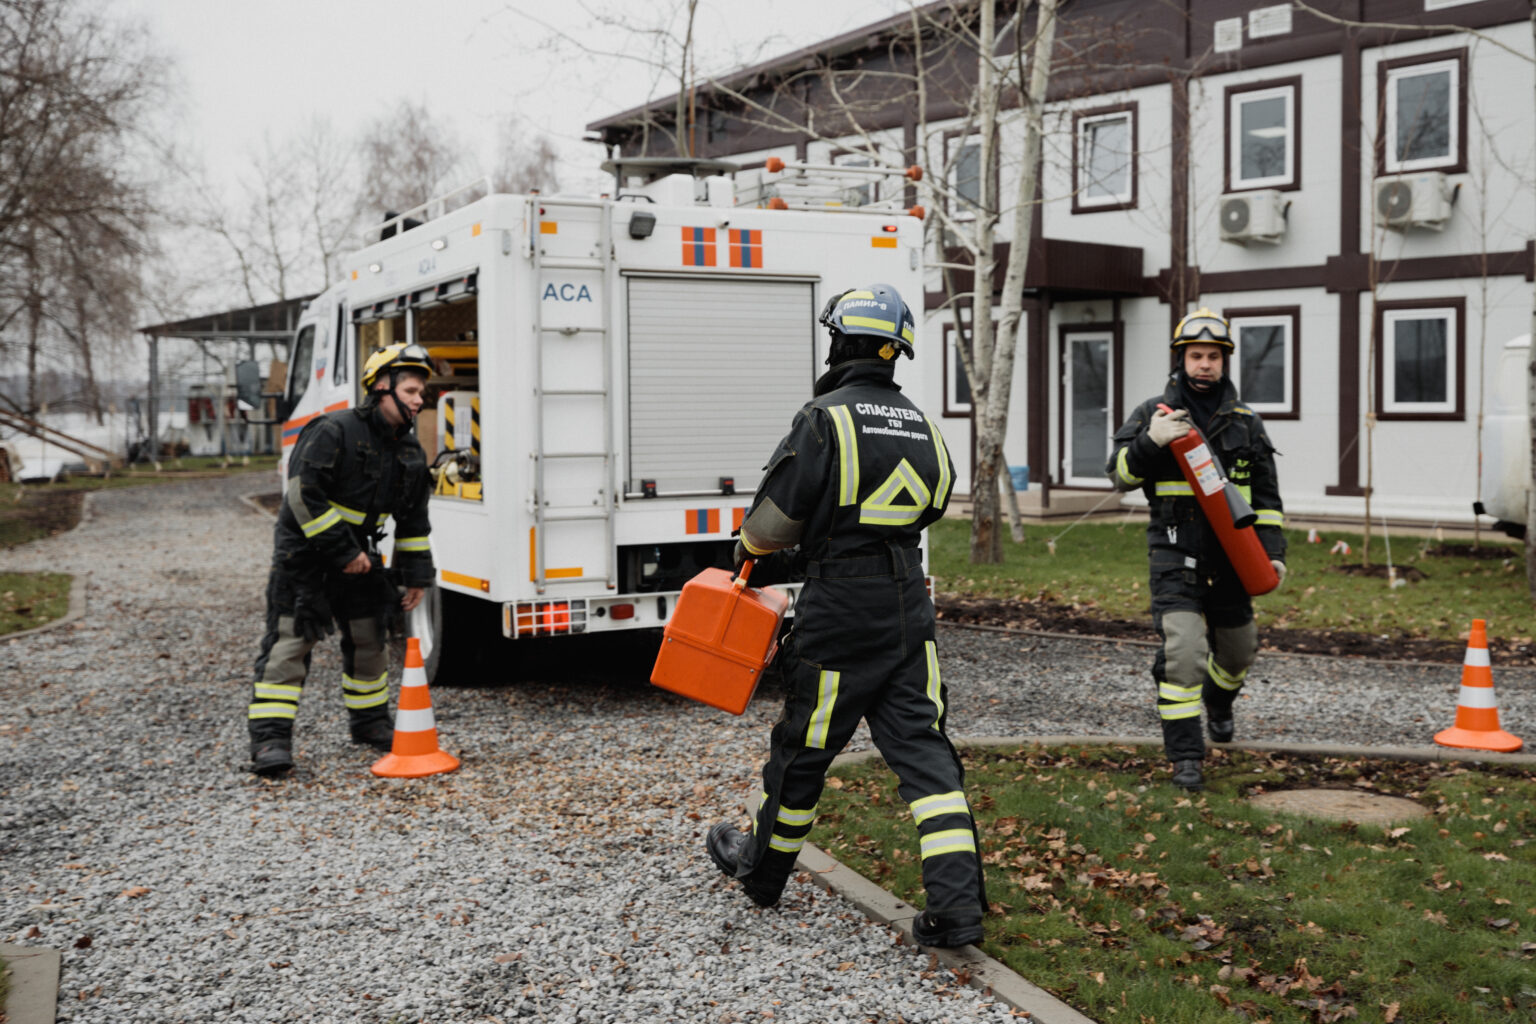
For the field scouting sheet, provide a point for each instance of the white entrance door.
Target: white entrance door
(1088, 387)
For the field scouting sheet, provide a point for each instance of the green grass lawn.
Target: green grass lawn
(29, 599)
(1100, 569)
(1135, 902)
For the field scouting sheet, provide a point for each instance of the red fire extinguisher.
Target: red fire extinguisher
(1229, 515)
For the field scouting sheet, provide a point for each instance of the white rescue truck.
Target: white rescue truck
(612, 375)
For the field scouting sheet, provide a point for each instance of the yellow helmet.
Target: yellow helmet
(1202, 327)
(395, 357)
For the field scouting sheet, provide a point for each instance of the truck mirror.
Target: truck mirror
(248, 383)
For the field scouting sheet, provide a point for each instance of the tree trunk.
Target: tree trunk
(986, 539)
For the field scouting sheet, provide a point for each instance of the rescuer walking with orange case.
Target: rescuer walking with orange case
(1202, 458)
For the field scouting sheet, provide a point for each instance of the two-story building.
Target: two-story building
(1353, 184)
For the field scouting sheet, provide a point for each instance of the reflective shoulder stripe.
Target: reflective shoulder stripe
(1123, 471)
(324, 521)
(940, 492)
(350, 515)
(1170, 488)
(412, 544)
(847, 455)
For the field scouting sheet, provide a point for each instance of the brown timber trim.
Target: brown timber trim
(1294, 313)
(1459, 304)
(1457, 166)
(1078, 116)
(1352, 273)
(1038, 349)
(1294, 84)
(1349, 398)
(1178, 205)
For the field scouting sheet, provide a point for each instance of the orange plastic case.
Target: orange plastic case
(720, 637)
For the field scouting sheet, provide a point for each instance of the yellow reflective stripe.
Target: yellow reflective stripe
(1246, 491)
(906, 334)
(324, 521)
(869, 321)
(1175, 712)
(362, 701)
(411, 544)
(1224, 679)
(753, 549)
(940, 803)
(821, 718)
(1123, 471)
(950, 840)
(941, 492)
(1173, 691)
(789, 816)
(278, 691)
(847, 455)
(858, 295)
(935, 685)
(778, 842)
(363, 685)
(1169, 488)
(881, 507)
(350, 515)
(1269, 517)
(260, 710)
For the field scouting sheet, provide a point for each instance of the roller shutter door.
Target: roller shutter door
(717, 370)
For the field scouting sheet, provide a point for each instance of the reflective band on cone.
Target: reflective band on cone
(415, 752)
(1477, 710)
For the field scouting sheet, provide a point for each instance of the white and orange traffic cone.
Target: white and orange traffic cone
(1477, 710)
(415, 752)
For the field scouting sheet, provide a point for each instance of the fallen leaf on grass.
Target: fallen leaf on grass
(1389, 1011)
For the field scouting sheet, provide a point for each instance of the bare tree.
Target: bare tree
(525, 159)
(407, 158)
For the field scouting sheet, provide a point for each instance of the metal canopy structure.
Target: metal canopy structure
(271, 324)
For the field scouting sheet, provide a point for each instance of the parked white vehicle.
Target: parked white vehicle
(613, 374)
(1507, 442)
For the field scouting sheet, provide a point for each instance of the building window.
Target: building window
(1420, 359)
(1266, 366)
(965, 174)
(957, 387)
(1436, 5)
(1423, 124)
(1262, 137)
(856, 191)
(1104, 159)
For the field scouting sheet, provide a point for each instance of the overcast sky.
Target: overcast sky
(252, 67)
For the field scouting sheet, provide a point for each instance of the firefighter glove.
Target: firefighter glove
(312, 616)
(1168, 426)
(1279, 571)
(739, 555)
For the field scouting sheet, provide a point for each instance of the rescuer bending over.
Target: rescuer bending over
(850, 488)
(348, 470)
(1199, 606)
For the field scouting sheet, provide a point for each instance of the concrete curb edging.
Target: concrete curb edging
(250, 499)
(34, 984)
(75, 612)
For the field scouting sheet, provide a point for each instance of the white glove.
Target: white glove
(1279, 571)
(1168, 426)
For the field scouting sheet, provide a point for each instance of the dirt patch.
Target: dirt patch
(38, 514)
(1051, 617)
(1341, 805)
(1487, 552)
(270, 502)
(1380, 572)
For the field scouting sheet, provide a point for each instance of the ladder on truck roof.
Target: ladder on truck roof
(544, 513)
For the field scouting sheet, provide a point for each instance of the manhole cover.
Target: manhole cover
(1341, 805)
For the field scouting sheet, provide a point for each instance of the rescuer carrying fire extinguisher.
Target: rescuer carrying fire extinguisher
(844, 500)
(1200, 606)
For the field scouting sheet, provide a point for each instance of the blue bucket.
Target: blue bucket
(1020, 475)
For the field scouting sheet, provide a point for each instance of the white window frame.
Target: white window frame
(1438, 5)
(1235, 143)
(1452, 68)
(1084, 164)
(1288, 322)
(953, 368)
(1068, 448)
(1390, 318)
(962, 208)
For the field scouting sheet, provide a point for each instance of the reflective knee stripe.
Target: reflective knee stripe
(1123, 470)
(935, 685)
(1224, 679)
(778, 842)
(360, 694)
(1174, 488)
(1176, 702)
(940, 803)
(348, 515)
(940, 492)
(951, 840)
(318, 525)
(884, 506)
(791, 817)
(1269, 517)
(274, 710)
(411, 544)
(821, 718)
(278, 691)
(847, 455)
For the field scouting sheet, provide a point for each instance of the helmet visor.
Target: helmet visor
(1202, 328)
(414, 353)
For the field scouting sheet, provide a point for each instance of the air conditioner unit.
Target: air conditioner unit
(1421, 200)
(1257, 216)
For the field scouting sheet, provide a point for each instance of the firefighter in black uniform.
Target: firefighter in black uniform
(348, 470)
(1199, 605)
(844, 500)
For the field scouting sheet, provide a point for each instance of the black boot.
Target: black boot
(374, 728)
(1187, 774)
(1221, 729)
(271, 757)
(947, 929)
(725, 843)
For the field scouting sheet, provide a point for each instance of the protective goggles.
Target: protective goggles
(414, 353)
(1204, 328)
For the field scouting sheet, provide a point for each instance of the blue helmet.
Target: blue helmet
(874, 311)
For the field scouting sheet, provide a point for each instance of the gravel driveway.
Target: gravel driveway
(559, 875)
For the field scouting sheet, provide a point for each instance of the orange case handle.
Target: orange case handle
(746, 570)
